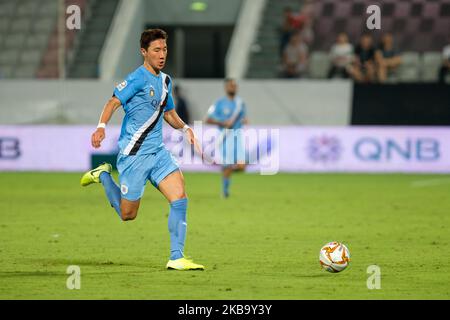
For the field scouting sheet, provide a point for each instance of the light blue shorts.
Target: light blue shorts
(134, 171)
(233, 151)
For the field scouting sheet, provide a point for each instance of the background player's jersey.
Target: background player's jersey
(144, 97)
(225, 109)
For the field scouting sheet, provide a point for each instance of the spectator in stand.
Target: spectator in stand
(295, 57)
(303, 22)
(445, 68)
(387, 58)
(364, 63)
(287, 29)
(341, 56)
(181, 105)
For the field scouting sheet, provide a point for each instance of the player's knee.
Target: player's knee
(129, 214)
(240, 167)
(178, 195)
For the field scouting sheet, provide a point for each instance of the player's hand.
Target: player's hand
(228, 124)
(191, 137)
(97, 137)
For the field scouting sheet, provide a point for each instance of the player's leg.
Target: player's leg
(129, 209)
(102, 174)
(226, 179)
(126, 209)
(234, 160)
(172, 187)
(169, 180)
(124, 199)
(133, 172)
(228, 161)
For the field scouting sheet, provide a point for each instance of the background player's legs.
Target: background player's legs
(226, 176)
(172, 187)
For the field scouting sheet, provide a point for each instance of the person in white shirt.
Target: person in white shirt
(341, 56)
(295, 57)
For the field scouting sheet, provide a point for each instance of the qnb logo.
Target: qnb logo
(324, 149)
(377, 150)
(9, 148)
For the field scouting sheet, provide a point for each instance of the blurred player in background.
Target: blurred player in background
(230, 114)
(146, 95)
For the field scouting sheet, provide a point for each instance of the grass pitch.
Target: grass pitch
(262, 243)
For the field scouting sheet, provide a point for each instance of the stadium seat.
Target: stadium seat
(25, 71)
(409, 69)
(45, 24)
(21, 25)
(30, 57)
(27, 8)
(7, 9)
(6, 71)
(431, 62)
(8, 57)
(4, 26)
(48, 9)
(14, 41)
(319, 64)
(37, 41)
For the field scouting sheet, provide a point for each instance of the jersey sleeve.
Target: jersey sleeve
(127, 89)
(243, 113)
(214, 111)
(170, 105)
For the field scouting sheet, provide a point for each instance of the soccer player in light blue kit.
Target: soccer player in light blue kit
(146, 97)
(230, 114)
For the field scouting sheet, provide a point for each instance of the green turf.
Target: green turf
(262, 243)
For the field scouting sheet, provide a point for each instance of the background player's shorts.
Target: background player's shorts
(233, 151)
(134, 171)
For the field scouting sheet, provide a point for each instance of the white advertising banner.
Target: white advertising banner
(268, 149)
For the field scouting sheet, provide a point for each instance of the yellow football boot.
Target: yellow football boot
(93, 176)
(183, 264)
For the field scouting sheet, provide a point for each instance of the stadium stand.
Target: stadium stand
(420, 29)
(25, 28)
(29, 38)
(92, 38)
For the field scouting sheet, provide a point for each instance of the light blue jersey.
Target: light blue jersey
(230, 140)
(225, 109)
(144, 98)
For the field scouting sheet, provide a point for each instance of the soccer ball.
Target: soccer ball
(334, 257)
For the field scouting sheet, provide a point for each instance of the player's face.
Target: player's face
(231, 88)
(156, 54)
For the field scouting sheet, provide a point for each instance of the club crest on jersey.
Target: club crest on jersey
(152, 92)
(124, 189)
(122, 85)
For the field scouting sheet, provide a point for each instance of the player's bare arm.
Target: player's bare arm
(108, 110)
(226, 124)
(174, 120)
